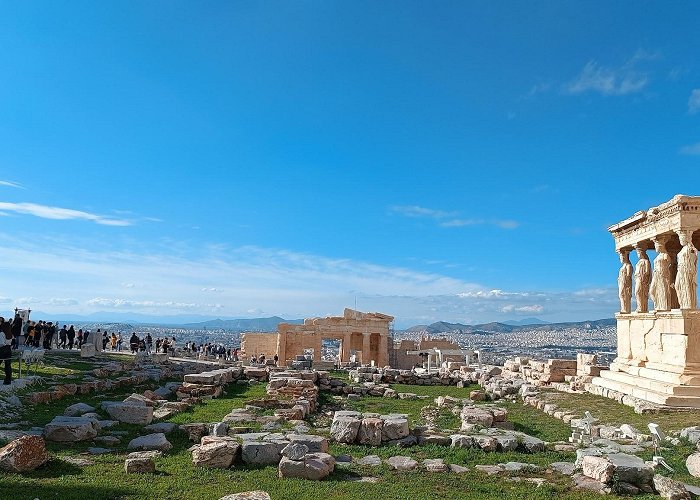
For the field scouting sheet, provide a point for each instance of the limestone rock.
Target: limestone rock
(130, 413)
(345, 429)
(670, 489)
(693, 464)
(394, 428)
(164, 427)
(315, 444)
(402, 463)
(314, 466)
(435, 465)
(458, 469)
(462, 441)
(78, 409)
(598, 468)
(70, 429)
(486, 443)
(583, 482)
(23, 454)
(295, 451)
(633, 470)
(195, 431)
(475, 415)
(372, 460)
(215, 453)
(370, 431)
(248, 495)
(566, 468)
(156, 441)
(140, 465)
(260, 452)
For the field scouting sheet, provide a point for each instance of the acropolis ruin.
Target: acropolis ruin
(658, 347)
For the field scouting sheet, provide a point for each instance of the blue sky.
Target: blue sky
(452, 161)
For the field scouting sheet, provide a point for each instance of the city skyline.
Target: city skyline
(459, 162)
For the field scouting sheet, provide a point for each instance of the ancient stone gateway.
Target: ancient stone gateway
(658, 348)
(364, 334)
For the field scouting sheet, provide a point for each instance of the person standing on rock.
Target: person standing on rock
(6, 349)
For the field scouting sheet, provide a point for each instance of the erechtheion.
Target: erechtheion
(658, 347)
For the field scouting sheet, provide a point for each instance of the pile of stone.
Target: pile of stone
(260, 374)
(409, 377)
(541, 373)
(371, 428)
(296, 386)
(209, 383)
(260, 448)
(620, 473)
(299, 463)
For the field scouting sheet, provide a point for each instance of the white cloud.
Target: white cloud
(692, 149)
(212, 289)
(529, 309)
(57, 213)
(12, 184)
(278, 282)
(694, 101)
(418, 211)
(448, 219)
(622, 80)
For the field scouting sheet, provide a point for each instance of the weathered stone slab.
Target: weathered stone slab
(260, 452)
(130, 413)
(149, 442)
(70, 429)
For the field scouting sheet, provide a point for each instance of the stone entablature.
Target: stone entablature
(680, 213)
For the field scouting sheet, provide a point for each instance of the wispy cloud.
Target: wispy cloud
(12, 184)
(611, 81)
(58, 213)
(691, 149)
(418, 211)
(448, 219)
(279, 282)
(694, 101)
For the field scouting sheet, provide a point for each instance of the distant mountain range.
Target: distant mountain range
(507, 327)
(201, 322)
(245, 325)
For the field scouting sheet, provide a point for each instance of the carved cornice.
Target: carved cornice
(681, 212)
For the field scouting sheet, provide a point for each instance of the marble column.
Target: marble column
(383, 351)
(366, 357)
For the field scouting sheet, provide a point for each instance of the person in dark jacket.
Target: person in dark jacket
(6, 349)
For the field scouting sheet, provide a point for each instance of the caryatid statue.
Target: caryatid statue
(687, 276)
(642, 278)
(624, 282)
(660, 289)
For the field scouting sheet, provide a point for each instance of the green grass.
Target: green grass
(178, 478)
(234, 396)
(609, 412)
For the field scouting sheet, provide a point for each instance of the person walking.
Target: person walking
(62, 337)
(71, 337)
(16, 331)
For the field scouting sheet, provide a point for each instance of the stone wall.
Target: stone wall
(257, 343)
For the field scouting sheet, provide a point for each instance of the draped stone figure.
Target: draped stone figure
(624, 282)
(687, 276)
(660, 288)
(642, 278)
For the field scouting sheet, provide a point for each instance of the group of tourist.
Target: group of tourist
(146, 344)
(219, 351)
